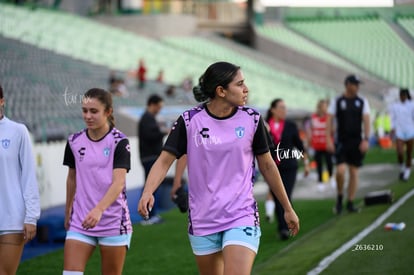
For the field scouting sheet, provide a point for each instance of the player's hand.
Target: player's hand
(67, 222)
(330, 147)
(92, 219)
(363, 146)
(29, 232)
(306, 170)
(145, 204)
(292, 222)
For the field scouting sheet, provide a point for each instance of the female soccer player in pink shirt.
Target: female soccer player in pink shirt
(97, 213)
(221, 138)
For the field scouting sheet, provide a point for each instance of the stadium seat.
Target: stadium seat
(368, 42)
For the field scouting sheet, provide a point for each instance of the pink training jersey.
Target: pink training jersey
(221, 167)
(94, 162)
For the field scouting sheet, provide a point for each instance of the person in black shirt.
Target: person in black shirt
(350, 112)
(287, 149)
(150, 138)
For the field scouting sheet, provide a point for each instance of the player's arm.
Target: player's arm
(329, 126)
(118, 184)
(175, 147)
(70, 194)
(69, 160)
(267, 167)
(271, 175)
(366, 127)
(178, 176)
(156, 176)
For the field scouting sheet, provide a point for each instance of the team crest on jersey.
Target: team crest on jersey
(106, 151)
(343, 104)
(5, 143)
(239, 131)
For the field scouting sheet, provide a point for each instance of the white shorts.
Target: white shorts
(120, 240)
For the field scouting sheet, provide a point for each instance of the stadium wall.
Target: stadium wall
(152, 25)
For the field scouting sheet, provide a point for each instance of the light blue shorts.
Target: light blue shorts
(119, 240)
(405, 135)
(247, 236)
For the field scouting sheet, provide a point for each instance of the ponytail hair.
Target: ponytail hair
(105, 98)
(406, 92)
(1, 92)
(217, 74)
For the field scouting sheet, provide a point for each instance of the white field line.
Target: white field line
(329, 259)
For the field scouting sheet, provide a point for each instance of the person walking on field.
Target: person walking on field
(96, 213)
(151, 137)
(350, 112)
(19, 196)
(288, 149)
(402, 121)
(221, 138)
(318, 142)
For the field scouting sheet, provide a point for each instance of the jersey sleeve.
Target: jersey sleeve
(29, 183)
(122, 155)
(69, 158)
(177, 139)
(366, 110)
(261, 139)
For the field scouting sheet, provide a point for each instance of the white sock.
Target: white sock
(407, 173)
(270, 208)
(65, 272)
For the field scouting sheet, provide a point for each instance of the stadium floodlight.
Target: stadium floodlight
(328, 3)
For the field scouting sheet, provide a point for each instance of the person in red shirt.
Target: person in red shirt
(318, 141)
(141, 74)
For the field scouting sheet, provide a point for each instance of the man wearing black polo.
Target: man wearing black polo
(350, 113)
(151, 137)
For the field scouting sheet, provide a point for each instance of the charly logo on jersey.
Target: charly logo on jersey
(106, 151)
(81, 152)
(5, 143)
(239, 131)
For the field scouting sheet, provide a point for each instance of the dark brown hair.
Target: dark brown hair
(1, 92)
(217, 74)
(105, 98)
(273, 104)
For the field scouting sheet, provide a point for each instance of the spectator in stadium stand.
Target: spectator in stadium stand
(402, 121)
(288, 149)
(221, 137)
(160, 76)
(151, 137)
(96, 213)
(317, 137)
(19, 196)
(349, 111)
(141, 74)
